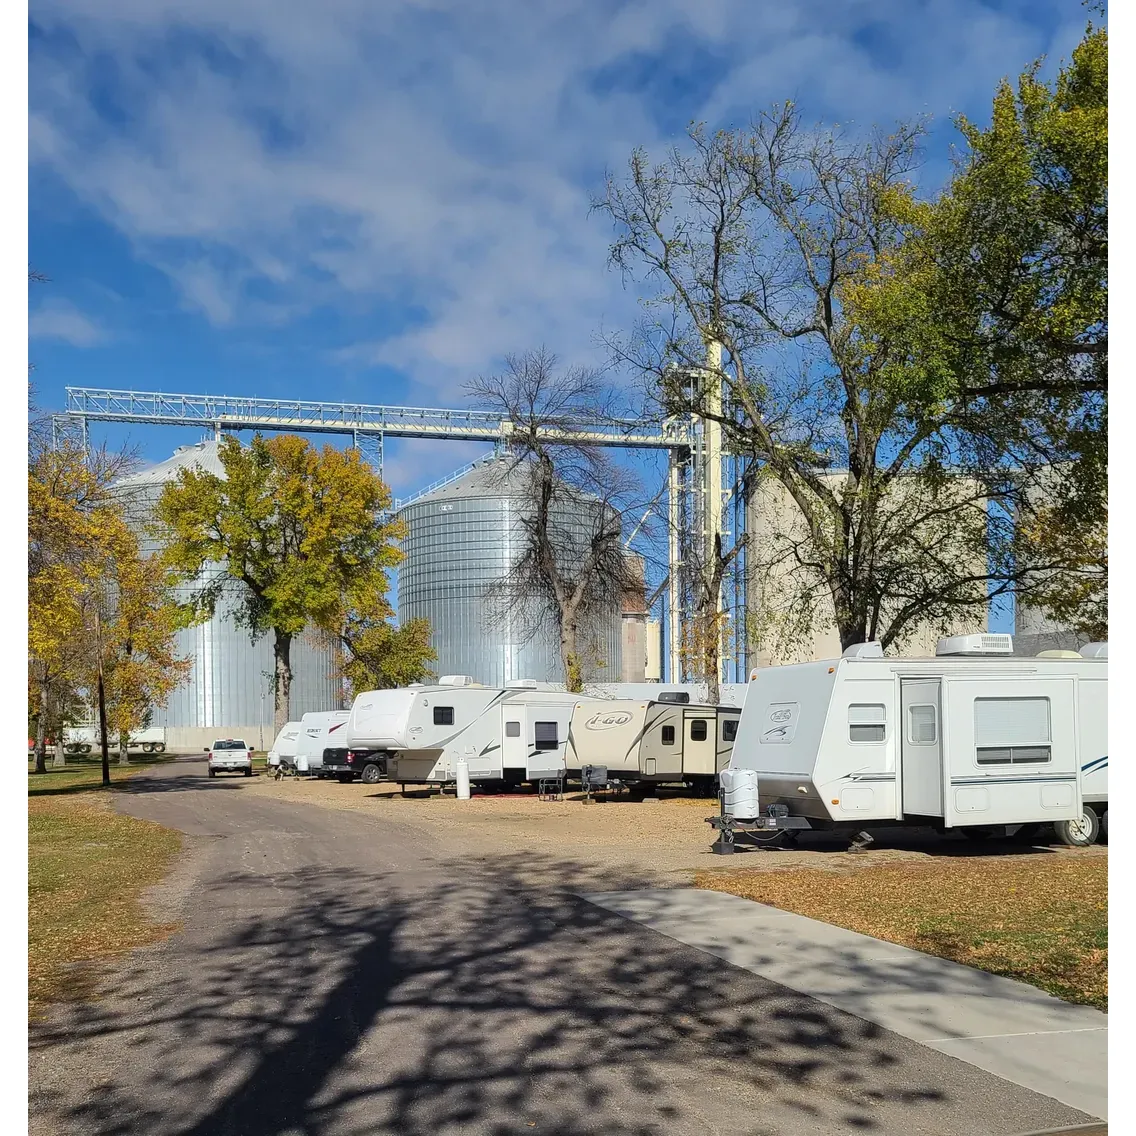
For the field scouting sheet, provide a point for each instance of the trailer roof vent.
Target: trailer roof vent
(1094, 651)
(1058, 655)
(976, 645)
(674, 696)
(864, 651)
(522, 684)
(456, 680)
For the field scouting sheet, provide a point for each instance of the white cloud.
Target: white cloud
(273, 156)
(61, 320)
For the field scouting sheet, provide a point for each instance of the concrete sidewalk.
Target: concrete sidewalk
(1007, 1028)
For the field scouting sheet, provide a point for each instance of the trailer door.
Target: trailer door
(921, 745)
(700, 746)
(514, 736)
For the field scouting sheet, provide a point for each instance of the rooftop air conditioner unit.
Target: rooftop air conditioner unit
(1057, 655)
(522, 684)
(1094, 651)
(456, 680)
(864, 651)
(975, 645)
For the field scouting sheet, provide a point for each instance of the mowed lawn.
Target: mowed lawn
(1041, 918)
(87, 868)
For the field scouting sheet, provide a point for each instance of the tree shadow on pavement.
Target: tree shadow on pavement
(492, 1000)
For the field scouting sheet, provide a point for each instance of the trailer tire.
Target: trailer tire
(159, 747)
(372, 773)
(345, 778)
(85, 748)
(248, 772)
(1104, 827)
(1080, 833)
(212, 773)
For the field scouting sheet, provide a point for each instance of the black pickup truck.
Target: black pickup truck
(368, 765)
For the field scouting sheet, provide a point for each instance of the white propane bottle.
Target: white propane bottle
(462, 777)
(739, 793)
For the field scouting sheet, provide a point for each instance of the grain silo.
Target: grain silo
(229, 692)
(462, 537)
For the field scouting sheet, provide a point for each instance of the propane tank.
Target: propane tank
(462, 776)
(739, 793)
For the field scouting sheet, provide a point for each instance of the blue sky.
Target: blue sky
(375, 200)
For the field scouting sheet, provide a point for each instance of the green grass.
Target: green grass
(87, 868)
(1042, 919)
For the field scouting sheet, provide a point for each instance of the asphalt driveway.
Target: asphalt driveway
(341, 975)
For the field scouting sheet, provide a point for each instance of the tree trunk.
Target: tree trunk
(282, 649)
(570, 657)
(123, 747)
(102, 699)
(41, 728)
(103, 727)
(713, 690)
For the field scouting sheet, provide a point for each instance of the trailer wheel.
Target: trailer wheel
(1104, 827)
(212, 773)
(372, 773)
(146, 747)
(159, 747)
(1079, 833)
(85, 748)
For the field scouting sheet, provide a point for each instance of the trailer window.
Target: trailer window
(546, 735)
(867, 722)
(729, 729)
(698, 729)
(1012, 731)
(512, 729)
(668, 735)
(923, 724)
(443, 715)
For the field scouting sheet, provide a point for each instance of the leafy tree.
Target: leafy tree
(381, 656)
(73, 526)
(138, 627)
(996, 304)
(301, 532)
(754, 240)
(945, 357)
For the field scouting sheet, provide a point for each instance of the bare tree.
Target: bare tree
(756, 240)
(573, 570)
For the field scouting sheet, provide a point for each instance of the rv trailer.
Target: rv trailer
(512, 734)
(283, 750)
(974, 739)
(318, 730)
(668, 740)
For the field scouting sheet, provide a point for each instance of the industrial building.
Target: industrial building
(776, 580)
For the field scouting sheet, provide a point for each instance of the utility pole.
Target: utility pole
(712, 482)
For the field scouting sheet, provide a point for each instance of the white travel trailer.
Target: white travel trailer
(654, 741)
(283, 751)
(729, 693)
(318, 731)
(973, 739)
(513, 734)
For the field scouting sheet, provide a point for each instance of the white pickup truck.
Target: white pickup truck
(230, 756)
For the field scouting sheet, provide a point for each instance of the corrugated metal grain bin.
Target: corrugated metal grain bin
(462, 537)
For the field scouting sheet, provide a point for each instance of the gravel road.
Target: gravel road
(363, 970)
